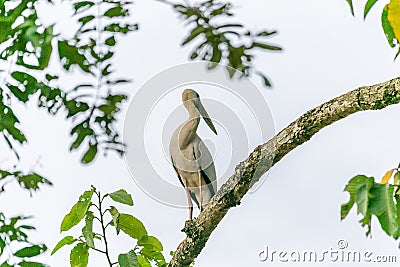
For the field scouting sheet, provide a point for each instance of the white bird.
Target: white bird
(190, 157)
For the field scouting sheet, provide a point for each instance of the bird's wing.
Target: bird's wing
(192, 195)
(207, 167)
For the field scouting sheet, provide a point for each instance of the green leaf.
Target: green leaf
(266, 33)
(117, 11)
(70, 55)
(2, 245)
(387, 28)
(195, 32)
(68, 240)
(150, 242)
(78, 211)
(18, 93)
(32, 181)
(110, 41)
(5, 264)
(350, 2)
(115, 215)
(50, 77)
(143, 262)
(74, 107)
(230, 26)
(119, 81)
(27, 85)
(122, 196)
(82, 6)
(46, 49)
(85, 20)
(4, 174)
(87, 230)
(368, 6)
(79, 256)
(266, 46)
(396, 178)
(119, 28)
(8, 122)
(152, 255)
(180, 8)
(352, 188)
(362, 196)
(129, 259)
(235, 57)
(382, 205)
(82, 131)
(362, 200)
(265, 79)
(30, 251)
(217, 55)
(31, 264)
(90, 154)
(131, 226)
(231, 71)
(366, 221)
(106, 70)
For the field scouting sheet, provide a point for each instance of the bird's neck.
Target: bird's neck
(193, 121)
(193, 112)
(189, 128)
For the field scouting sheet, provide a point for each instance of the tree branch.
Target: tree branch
(266, 155)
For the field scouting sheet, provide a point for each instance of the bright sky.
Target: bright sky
(326, 53)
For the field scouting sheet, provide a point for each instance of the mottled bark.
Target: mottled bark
(266, 155)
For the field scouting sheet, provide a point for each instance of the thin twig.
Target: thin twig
(104, 231)
(98, 250)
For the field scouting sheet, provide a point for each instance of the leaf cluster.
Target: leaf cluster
(390, 21)
(90, 209)
(91, 106)
(13, 232)
(381, 200)
(219, 42)
(30, 181)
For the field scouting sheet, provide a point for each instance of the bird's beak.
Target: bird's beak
(205, 116)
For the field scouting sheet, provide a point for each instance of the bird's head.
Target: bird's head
(191, 98)
(190, 94)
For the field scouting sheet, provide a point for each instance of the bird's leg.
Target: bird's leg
(200, 193)
(189, 200)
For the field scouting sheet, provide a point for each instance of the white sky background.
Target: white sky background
(327, 52)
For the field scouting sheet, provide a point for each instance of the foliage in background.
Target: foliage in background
(15, 248)
(93, 104)
(381, 200)
(91, 107)
(30, 181)
(221, 42)
(26, 42)
(90, 208)
(27, 46)
(390, 20)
